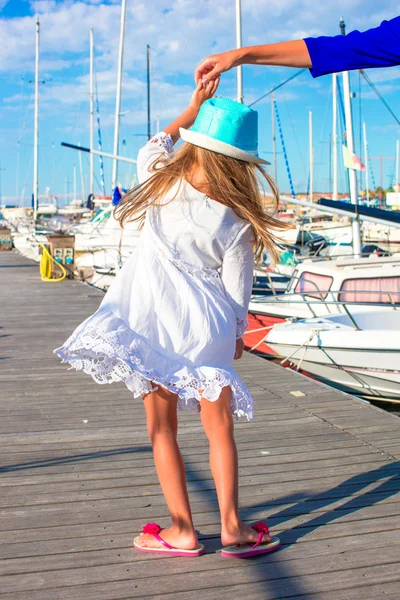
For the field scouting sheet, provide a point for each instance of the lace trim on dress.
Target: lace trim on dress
(163, 140)
(241, 326)
(108, 356)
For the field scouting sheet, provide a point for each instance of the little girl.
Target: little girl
(174, 318)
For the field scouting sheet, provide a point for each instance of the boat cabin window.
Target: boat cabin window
(314, 285)
(372, 289)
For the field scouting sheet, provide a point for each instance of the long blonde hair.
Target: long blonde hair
(231, 182)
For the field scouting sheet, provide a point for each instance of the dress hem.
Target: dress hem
(116, 353)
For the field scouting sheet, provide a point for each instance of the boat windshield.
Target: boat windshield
(373, 289)
(314, 285)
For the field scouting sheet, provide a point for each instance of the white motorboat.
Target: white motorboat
(358, 352)
(75, 209)
(379, 234)
(47, 205)
(320, 287)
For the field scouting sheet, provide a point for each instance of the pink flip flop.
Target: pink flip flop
(155, 530)
(246, 550)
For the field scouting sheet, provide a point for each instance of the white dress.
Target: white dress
(176, 308)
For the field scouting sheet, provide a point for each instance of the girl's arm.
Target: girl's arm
(202, 93)
(287, 54)
(237, 277)
(163, 141)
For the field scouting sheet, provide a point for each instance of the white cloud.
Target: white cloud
(180, 32)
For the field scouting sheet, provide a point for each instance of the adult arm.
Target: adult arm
(378, 47)
(288, 54)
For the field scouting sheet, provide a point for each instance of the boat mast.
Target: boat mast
(239, 69)
(366, 161)
(397, 162)
(118, 97)
(311, 152)
(74, 178)
(81, 174)
(36, 129)
(91, 145)
(334, 137)
(350, 146)
(148, 94)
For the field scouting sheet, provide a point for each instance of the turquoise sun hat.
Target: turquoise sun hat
(226, 127)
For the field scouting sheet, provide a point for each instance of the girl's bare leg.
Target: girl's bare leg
(218, 424)
(162, 425)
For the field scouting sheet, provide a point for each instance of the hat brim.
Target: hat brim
(209, 143)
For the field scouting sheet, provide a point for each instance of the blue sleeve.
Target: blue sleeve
(378, 47)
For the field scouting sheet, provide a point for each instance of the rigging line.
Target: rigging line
(295, 136)
(59, 164)
(24, 120)
(278, 86)
(318, 169)
(278, 121)
(381, 98)
(371, 170)
(341, 113)
(99, 142)
(21, 103)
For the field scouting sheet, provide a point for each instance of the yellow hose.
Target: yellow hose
(46, 266)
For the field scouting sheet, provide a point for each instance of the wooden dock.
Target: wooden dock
(78, 482)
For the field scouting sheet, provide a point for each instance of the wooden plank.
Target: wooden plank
(14, 496)
(197, 576)
(40, 454)
(249, 466)
(39, 517)
(281, 495)
(119, 462)
(107, 557)
(382, 514)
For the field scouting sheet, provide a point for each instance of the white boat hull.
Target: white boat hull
(357, 380)
(365, 362)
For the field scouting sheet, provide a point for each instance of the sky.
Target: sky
(180, 33)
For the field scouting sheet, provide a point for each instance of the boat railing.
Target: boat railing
(294, 280)
(347, 305)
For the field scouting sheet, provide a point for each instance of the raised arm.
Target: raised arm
(186, 119)
(287, 54)
(377, 47)
(163, 141)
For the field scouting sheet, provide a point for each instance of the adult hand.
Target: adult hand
(212, 66)
(239, 349)
(203, 92)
